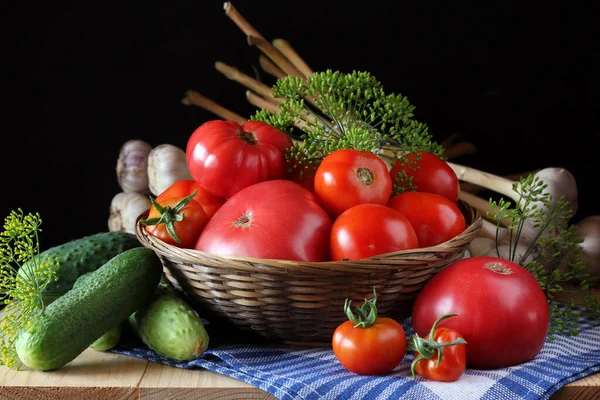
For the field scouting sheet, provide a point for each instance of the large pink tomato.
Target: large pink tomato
(277, 219)
(225, 157)
(502, 311)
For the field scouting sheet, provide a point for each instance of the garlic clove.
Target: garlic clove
(125, 208)
(166, 165)
(132, 166)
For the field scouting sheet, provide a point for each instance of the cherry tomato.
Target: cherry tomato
(176, 221)
(225, 157)
(368, 344)
(429, 174)
(368, 230)
(346, 178)
(503, 312)
(441, 355)
(276, 219)
(435, 218)
(184, 187)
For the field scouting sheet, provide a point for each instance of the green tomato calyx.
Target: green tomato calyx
(366, 315)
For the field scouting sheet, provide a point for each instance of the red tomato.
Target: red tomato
(503, 312)
(182, 188)
(369, 345)
(346, 178)
(368, 230)
(435, 218)
(276, 219)
(429, 174)
(224, 157)
(441, 355)
(176, 221)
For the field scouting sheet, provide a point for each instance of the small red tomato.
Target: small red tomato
(225, 157)
(176, 221)
(346, 178)
(369, 345)
(435, 218)
(184, 187)
(441, 355)
(429, 174)
(368, 230)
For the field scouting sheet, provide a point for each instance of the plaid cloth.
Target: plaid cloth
(315, 373)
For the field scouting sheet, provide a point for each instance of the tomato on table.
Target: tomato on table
(276, 219)
(435, 218)
(225, 157)
(503, 312)
(368, 230)
(368, 344)
(176, 221)
(441, 355)
(429, 173)
(184, 187)
(347, 178)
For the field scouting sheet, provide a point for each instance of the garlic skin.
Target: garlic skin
(589, 232)
(561, 183)
(166, 165)
(124, 210)
(132, 166)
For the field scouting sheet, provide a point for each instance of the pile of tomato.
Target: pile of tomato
(247, 199)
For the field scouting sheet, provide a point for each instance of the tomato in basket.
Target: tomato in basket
(368, 230)
(429, 174)
(346, 178)
(435, 218)
(225, 157)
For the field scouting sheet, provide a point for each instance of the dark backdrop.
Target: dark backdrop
(83, 77)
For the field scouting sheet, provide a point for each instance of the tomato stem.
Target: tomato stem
(428, 347)
(367, 313)
(169, 215)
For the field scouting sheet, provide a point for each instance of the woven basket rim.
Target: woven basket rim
(472, 216)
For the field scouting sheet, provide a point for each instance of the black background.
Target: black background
(84, 77)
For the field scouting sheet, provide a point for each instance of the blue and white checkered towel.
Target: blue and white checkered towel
(292, 374)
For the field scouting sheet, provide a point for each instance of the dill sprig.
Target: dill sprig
(352, 112)
(554, 256)
(21, 294)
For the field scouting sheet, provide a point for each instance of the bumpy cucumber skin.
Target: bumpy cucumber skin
(74, 321)
(80, 256)
(169, 326)
(109, 340)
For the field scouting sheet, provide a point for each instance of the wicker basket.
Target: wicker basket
(302, 302)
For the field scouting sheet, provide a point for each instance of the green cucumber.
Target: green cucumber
(170, 326)
(80, 256)
(109, 340)
(78, 318)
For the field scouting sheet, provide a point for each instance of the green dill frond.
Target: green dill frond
(21, 294)
(346, 111)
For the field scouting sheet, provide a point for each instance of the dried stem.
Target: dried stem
(262, 103)
(239, 20)
(247, 81)
(473, 188)
(194, 98)
(290, 53)
(275, 55)
(489, 181)
(270, 68)
(480, 204)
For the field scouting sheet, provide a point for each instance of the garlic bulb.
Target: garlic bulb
(124, 210)
(166, 165)
(561, 183)
(132, 166)
(589, 232)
